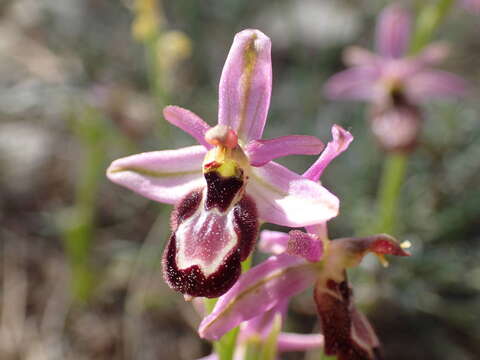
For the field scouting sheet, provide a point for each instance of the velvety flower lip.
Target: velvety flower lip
(373, 77)
(223, 186)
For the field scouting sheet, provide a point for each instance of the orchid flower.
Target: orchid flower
(394, 82)
(472, 5)
(222, 187)
(304, 259)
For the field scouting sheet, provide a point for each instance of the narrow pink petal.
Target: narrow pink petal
(273, 242)
(164, 176)
(358, 56)
(393, 31)
(261, 152)
(305, 245)
(246, 85)
(340, 142)
(188, 122)
(434, 84)
(288, 199)
(257, 291)
(434, 53)
(321, 230)
(356, 83)
(261, 326)
(299, 342)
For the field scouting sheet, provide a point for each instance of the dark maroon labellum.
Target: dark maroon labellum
(348, 334)
(220, 190)
(210, 239)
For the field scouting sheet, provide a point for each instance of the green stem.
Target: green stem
(391, 182)
(429, 18)
(157, 84)
(79, 227)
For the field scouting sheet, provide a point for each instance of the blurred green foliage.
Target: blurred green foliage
(56, 55)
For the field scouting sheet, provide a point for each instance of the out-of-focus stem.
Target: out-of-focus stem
(391, 182)
(157, 86)
(429, 18)
(79, 229)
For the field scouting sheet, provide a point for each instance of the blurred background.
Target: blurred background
(82, 83)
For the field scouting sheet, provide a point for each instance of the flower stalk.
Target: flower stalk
(429, 19)
(79, 228)
(163, 50)
(395, 164)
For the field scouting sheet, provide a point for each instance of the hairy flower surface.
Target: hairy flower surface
(304, 259)
(223, 186)
(393, 82)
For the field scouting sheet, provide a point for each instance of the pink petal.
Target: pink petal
(357, 56)
(299, 342)
(246, 85)
(261, 326)
(341, 140)
(320, 230)
(261, 152)
(288, 199)
(188, 122)
(433, 53)
(257, 291)
(164, 176)
(305, 245)
(393, 32)
(434, 84)
(357, 83)
(273, 242)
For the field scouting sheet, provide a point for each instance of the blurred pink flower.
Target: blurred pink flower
(224, 185)
(394, 82)
(303, 259)
(471, 5)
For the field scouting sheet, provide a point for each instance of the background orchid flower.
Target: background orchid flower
(394, 82)
(471, 5)
(224, 185)
(305, 259)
